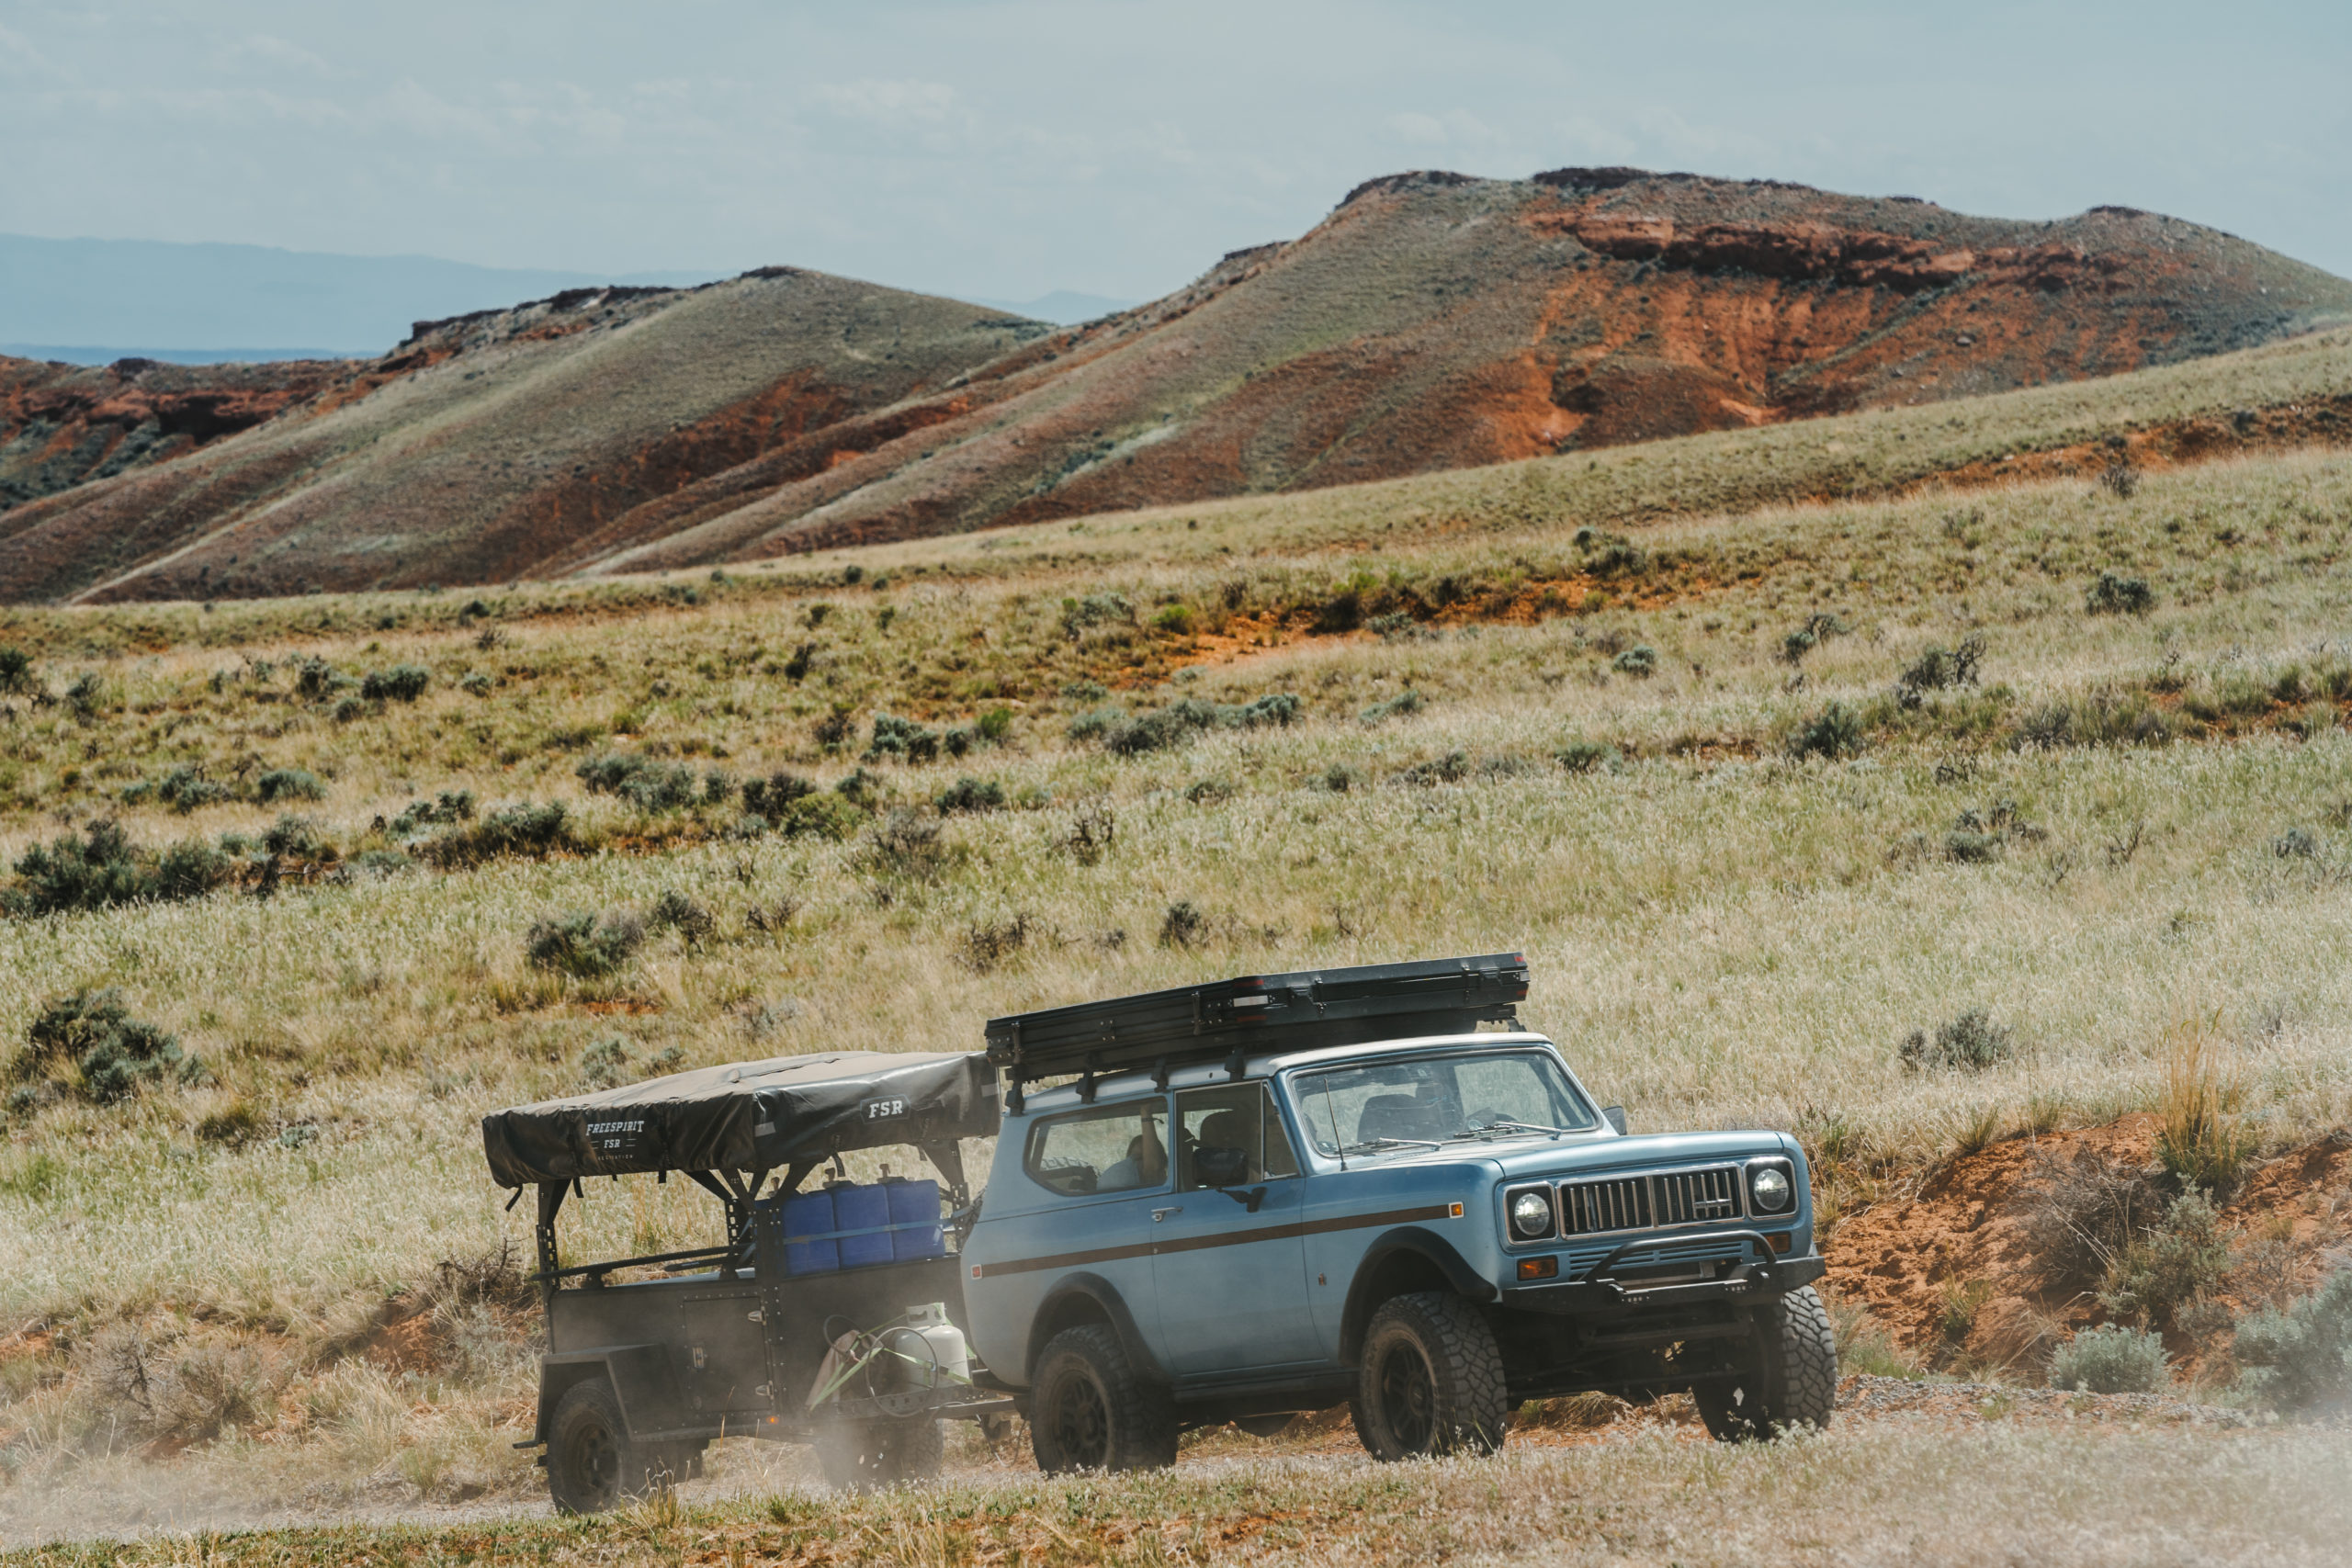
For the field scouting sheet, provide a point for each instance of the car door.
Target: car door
(1228, 1261)
(1095, 1177)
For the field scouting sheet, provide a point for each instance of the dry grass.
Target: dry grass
(1886, 1493)
(1722, 934)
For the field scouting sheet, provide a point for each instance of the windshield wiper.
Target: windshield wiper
(1510, 1128)
(1373, 1145)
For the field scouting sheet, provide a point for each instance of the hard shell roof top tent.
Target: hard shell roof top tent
(1230, 1019)
(730, 1127)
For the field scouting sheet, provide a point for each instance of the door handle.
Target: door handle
(1159, 1214)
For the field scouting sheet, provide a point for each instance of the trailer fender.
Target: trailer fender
(642, 1379)
(1087, 1298)
(1404, 1259)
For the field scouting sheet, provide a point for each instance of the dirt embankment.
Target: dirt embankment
(1956, 1270)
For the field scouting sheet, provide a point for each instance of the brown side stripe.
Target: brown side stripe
(1222, 1238)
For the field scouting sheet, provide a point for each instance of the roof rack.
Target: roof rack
(1230, 1019)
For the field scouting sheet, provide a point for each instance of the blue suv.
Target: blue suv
(1280, 1193)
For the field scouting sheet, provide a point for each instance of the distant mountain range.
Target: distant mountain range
(168, 302)
(1432, 321)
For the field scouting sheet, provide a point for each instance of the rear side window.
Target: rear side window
(1234, 1116)
(1110, 1148)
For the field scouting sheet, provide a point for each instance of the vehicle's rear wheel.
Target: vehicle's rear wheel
(1793, 1382)
(1090, 1409)
(592, 1465)
(1429, 1381)
(859, 1456)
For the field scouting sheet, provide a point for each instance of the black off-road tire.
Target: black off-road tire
(1429, 1381)
(862, 1456)
(592, 1465)
(1090, 1409)
(1794, 1383)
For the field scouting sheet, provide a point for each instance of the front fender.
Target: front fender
(1054, 1314)
(1400, 1260)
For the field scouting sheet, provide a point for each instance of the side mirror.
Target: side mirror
(1215, 1167)
(1615, 1116)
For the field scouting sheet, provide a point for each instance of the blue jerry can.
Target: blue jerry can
(862, 1213)
(913, 1205)
(810, 1213)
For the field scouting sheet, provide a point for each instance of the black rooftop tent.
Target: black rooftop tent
(1306, 1010)
(747, 1116)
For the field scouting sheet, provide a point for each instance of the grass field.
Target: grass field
(1761, 792)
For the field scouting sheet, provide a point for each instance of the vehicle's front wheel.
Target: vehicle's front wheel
(592, 1465)
(1793, 1382)
(858, 1456)
(1429, 1381)
(1090, 1409)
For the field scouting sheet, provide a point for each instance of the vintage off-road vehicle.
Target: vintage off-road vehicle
(1279, 1193)
(1229, 1202)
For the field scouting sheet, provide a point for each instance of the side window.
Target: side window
(1112, 1148)
(1239, 1118)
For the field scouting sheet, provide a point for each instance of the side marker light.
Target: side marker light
(1453, 1211)
(1539, 1268)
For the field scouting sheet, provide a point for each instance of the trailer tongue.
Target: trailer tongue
(832, 1315)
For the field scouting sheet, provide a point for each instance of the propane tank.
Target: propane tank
(946, 1341)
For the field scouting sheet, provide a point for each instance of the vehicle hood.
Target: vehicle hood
(1598, 1156)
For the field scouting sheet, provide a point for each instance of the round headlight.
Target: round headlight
(1531, 1214)
(1769, 1187)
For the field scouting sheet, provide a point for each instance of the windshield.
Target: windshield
(1433, 1102)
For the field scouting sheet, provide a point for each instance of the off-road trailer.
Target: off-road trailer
(842, 1335)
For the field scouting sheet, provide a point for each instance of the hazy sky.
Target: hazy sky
(1006, 149)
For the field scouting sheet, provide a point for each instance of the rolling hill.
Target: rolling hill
(1432, 322)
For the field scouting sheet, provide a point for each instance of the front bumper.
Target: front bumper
(1602, 1295)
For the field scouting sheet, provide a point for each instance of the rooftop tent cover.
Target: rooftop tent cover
(746, 1116)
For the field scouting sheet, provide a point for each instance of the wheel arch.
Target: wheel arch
(640, 1378)
(1397, 1263)
(1078, 1299)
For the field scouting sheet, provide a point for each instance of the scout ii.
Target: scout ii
(1283, 1192)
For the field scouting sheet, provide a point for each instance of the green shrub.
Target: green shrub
(112, 1054)
(995, 725)
(1639, 661)
(581, 944)
(184, 788)
(2299, 1362)
(1394, 626)
(649, 785)
(1836, 731)
(448, 806)
(1588, 756)
(288, 784)
(1972, 1040)
(525, 829)
(1938, 668)
(1402, 705)
(1174, 619)
(2111, 1359)
(770, 797)
(1452, 768)
(315, 680)
(971, 795)
(1095, 609)
(104, 868)
(2182, 1257)
(298, 837)
(15, 671)
(682, 913)
(2114, 595)
(903, 739)
(400, 683)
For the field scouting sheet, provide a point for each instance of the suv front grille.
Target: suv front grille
(1661, 1198)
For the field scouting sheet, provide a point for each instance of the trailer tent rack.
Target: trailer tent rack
(1228, 1019)
(729, 1128)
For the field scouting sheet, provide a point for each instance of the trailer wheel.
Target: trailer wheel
(861, 1455)
(592, 1465)
(1429, 1381)
(1091, 1410)
(1794, 1382)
